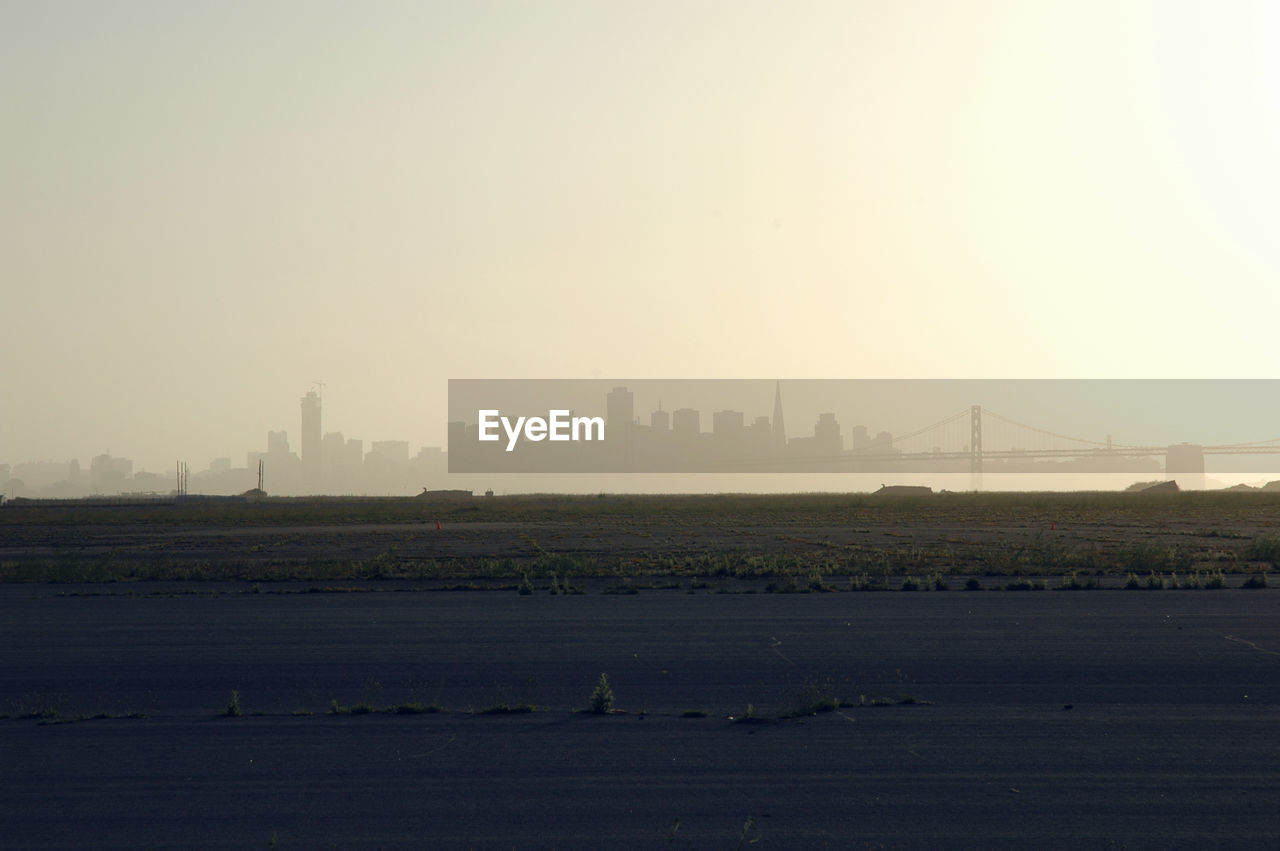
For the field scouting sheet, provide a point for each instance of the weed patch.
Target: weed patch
(601, 701)
(508, 709)
(1264, 550)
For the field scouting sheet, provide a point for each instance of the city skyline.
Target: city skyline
(208, 207)
(1110, 426)
(742, 439)
(322, 463)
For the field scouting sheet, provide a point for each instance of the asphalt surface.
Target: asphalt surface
(1033, 719)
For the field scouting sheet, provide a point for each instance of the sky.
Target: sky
(208, 207)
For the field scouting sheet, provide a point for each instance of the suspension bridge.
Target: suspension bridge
(978, 435)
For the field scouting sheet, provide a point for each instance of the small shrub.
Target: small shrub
(526, 587)
(1258, 580)
(749, 716)
(602, 697)
(1073, 582)
(910, 584)
(508, 709)
(1264, 549)
(693, 713)
(972, 584)
(233, 708)
(1152, 557)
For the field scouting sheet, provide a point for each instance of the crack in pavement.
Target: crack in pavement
(1251, 644)
(774, 647)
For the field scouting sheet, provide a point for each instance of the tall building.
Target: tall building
(277, 443)
(620, 413)
(726, 424)
(660, 420)
(779, 440)
(331, 460)
(686, 422)
(393, 451)
(620, 408)
(826, 435)
(107, 475)
(311, 445)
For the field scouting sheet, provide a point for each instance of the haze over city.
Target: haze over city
(919, 365)
(211, 208)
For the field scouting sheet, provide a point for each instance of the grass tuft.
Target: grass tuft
(508, 709)
(414, 709)
(602, 697)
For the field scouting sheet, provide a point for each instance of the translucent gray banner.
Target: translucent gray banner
(1140, 427)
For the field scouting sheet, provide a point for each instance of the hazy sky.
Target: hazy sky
(206, 207)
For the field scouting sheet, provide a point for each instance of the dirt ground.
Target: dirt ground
(685, 537)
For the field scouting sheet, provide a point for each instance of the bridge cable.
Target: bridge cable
(1055, 435)
(938, 424)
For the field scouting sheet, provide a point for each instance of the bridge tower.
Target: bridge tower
(975, 447)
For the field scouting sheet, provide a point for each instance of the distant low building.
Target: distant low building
(445, 495)
(904, 490)
(1155, 487)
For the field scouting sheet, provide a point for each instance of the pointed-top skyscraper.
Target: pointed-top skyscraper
(779, 438)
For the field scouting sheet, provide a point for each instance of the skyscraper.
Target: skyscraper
(660, 420)
(779, 441)
(311, 445)
(620, 415)
(620, 409)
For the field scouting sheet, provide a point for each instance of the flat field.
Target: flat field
(863, 541)
(329, 674)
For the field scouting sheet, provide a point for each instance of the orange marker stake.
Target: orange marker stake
(437, 524)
